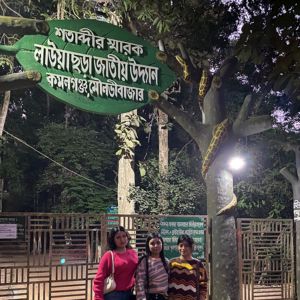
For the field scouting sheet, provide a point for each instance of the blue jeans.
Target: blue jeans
(117, 295)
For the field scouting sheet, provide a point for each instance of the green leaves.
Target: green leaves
(127, 136)
(263, 192)
(142, 169)
(86, 152)
(270, 41)
(197, 24)
(184, 193)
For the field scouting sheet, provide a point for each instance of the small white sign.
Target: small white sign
(296, 204)
(296, 215)
(8, 231)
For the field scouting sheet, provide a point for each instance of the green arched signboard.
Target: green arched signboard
(94, 66)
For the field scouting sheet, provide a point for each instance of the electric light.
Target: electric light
(236, 163)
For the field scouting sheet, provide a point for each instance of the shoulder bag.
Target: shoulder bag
(109, 283)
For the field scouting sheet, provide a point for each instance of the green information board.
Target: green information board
(173, 226)
(94, 66)
(112, 218)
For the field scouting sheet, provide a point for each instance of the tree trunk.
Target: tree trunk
(295, 182)
(219, 181)
(163, 143)
(4, 110)
(297, 229)
(1, 191)
(126, 179)
(163, 157)
(224, 262)
(296, 196)
(68, 113)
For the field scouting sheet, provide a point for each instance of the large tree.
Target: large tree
(205, 28)
(294, 179)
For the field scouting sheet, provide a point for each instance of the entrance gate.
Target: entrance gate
(266, 259)
(55, 256)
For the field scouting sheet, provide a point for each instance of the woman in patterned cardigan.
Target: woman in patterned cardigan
(152, 272)
(188, 277)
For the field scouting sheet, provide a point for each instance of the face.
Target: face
(121, 239)
(155, 245)
(185, 250)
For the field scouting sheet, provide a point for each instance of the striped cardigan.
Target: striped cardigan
(183, 280)
(158, 278)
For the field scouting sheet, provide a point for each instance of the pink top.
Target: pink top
(125, 265)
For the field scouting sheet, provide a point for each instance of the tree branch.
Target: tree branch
(253, 125)
(183, 52)
(195, 129)
(246, 108)
(4, 110)
(244, 112)
(213, 103)
(288, 175)
(131, 25)
(22, 26)
(194, 73)
(228, 67)
(174, 65)
(17, 81)
(286, 146)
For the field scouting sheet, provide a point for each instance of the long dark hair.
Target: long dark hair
(111, 238)
(151, 236)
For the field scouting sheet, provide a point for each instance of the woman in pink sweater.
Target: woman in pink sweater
(125, 263)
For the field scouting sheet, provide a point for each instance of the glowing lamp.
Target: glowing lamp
(236, 163)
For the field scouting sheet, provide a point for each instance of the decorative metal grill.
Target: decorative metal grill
(56, 256)
(266, 259)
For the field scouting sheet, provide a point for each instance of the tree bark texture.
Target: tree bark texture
(3, 114)
(22, 26)
(297, 229)
(224, 257)
(219, 184)
(295, 182)
(126, 179)
(163, 156)
(163, 143)
(4, 110)
(18, 81)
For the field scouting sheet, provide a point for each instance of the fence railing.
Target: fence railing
(266, 259)
(55, 256)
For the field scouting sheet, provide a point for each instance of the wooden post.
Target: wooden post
(103, 235)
